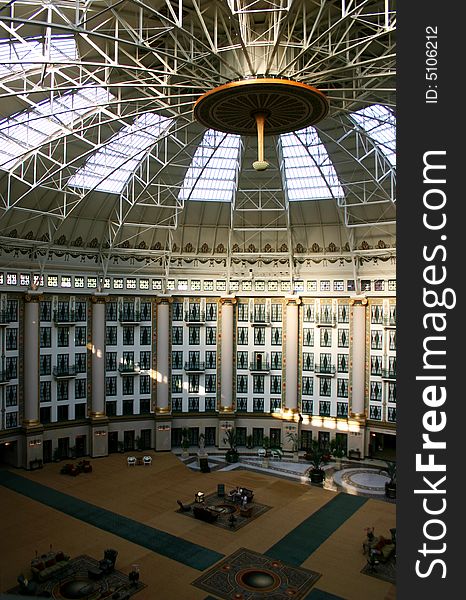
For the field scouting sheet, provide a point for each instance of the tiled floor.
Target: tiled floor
(148, 495)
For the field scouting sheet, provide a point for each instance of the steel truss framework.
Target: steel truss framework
(160, 56)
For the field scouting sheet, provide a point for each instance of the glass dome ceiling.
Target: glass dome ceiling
(99, 150)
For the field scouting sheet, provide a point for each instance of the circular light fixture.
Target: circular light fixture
(263, 105)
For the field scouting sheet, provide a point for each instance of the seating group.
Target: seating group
(204, 514)
(83, 466)
(45, 566)
(239, 493)
(132, 461)
(106, 564)
(379, 549)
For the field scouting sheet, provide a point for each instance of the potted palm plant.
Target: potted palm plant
(293, 437)
(266, 456)
(337, 450)
(317, 456)
(390, 486)
(185, 441)
(231, 455)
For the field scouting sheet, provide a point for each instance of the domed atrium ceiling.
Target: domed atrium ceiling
(101, 156)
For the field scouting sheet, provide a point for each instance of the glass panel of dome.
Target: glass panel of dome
(109, 169)
(213, 171)
(33, 128)
(17, 57)
(309, 172)
(380, 125)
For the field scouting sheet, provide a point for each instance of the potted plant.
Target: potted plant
(266, 456)
(72, 452)
(293, 437)
(231, 455)
(185, 441)
(56, 455)
(337, 450)
(138, 443)
(249, 441)
(121, 447)
(318, 457)
(390, 486)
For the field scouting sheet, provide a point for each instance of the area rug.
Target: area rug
(385, 571)
(73, 582)
(248, 575)
(226, 510)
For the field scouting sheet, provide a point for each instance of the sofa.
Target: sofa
(238, 494)
(43, 567)
(204, 514)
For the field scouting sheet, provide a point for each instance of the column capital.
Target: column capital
(293, 300)
(29, 424)
(33, 296)
(228, 300)
(99, 298)
(97, 415)
(358, 301)
(164, 300)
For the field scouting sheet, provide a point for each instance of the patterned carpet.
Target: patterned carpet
(248, 575)
(385, 571)
(227, 509)
(73, 582)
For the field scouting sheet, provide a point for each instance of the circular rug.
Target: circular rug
(362, 481)
(79, 587)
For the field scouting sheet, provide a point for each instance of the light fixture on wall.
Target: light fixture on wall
(101, 432)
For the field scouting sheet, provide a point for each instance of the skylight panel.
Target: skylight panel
(109, 169)
(309, 172)
(17, 57)
(380, 125)
(213, 171)
(33, 128)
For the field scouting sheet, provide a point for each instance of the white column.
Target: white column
(31, 361)
(227, 349)
(291, 354)
(163, 354)
(98, 358)
(358, 357)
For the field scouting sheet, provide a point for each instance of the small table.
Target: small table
(217, 509)
(95, 573)
(139, 460)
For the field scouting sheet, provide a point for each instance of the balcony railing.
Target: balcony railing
(132, 317)
(4, 377)
(326, 320)
(64, 317)
(388, 373)
(194, 316)
(5, 318)
(389, 322)
(259, 366)
(194, 366)
(129, 368)
(64, 372)
(259, 319)
(321, 369)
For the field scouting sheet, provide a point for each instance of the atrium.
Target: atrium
(197, 237)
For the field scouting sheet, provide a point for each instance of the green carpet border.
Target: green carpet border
(165, 544)
(317, 594)
(295, 547)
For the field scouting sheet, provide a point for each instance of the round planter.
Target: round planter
(390, 490)
(317, 476)
(231, 456)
